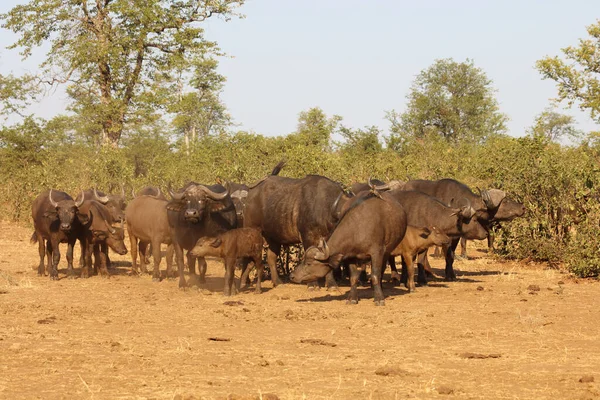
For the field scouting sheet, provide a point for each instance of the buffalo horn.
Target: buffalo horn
(175, 196)
(467, 211)
(495, 197)
(157, 195)
(132, 193)
(214, 195)
(101, 199)
(323, 250)
(80, 202)
(110, 228)
(54, 204)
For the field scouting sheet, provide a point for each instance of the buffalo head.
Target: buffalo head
(196, 199)
(314, 266)
(65, 210)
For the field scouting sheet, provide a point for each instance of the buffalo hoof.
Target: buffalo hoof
(351, 301)
(182, 285)
(450, 278)
(257, 291)
(155, 279)
(380, 302)
(333, 287)
(395, 277)
(54, 277)
(277, 282)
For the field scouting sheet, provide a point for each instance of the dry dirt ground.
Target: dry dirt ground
(503, 331)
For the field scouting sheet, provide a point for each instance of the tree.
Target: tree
(117, 56)
(361, 140)
(454, 100)
(315, 129)
(577, 78)
(554, 126)
(16, 93)
(201, 112)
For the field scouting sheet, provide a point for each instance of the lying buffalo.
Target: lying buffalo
(370, 230)
(56, 220)
(291, 211)
(97, 235)
(147, 222)
(233, 246)
(196, 211)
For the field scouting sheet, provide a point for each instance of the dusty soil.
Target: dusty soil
(504, 330)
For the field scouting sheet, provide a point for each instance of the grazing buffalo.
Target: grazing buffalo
(233, 246)
(147, 221)
(424, 210)
(507, 211)
(98, 235)
(451, 192)
(291, 211)
(371, 229)
(417, 240)
(197, 211)
(56, 219)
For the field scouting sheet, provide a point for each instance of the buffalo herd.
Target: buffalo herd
(338, 227)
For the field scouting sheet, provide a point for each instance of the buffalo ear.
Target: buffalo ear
(83, 218)
(216, 243)
(425, 233)
(216, 206)
(50, 214)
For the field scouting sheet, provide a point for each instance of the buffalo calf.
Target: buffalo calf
(233, 246)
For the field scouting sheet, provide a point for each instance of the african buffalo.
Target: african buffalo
(451, 192)
(424, 210)
(507, 211)
(56, 219)
(197, 211)
(147, 222)
(370, 230)
(233, 246)
(290, 211)
(99, 234)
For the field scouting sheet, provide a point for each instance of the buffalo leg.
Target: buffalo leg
(258, 263)
(156, 256)
(179, 257)
(490, 240)
(201, 268)
(55, 260)
(330, 282)
(143, 246)
(101, 260)
(437, 252)
(463, 247)
(107, 256)
(421, 260)
(42, 252)
(354, 275)
(377, 261)
(48, 257)
(408, 278)
(133, 244)
(191, 261)
(246, 269)
(96, 258)
(450, 275)
(272, 254)
(70, 246)
(87, 263)
(82, 256)
(394, 275)
(148, 252)
(169, 258)
(229, 286)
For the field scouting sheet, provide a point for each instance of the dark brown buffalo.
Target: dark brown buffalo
(194, 212)
(147, 222)
(507, 211)
(291, 211)
(56, 220)
(238, 193)
(450, 192)
(424, 210)
(370, 230)
(233, 246)
(416, 241)
(99, 234)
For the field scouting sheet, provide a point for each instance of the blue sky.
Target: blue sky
(358, 59)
